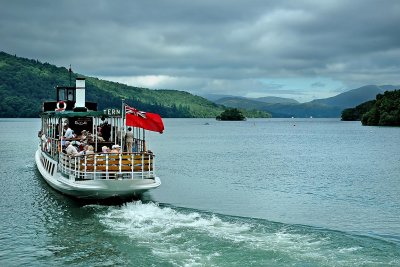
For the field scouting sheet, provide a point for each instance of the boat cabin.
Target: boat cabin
(93, 128)
(70, 98)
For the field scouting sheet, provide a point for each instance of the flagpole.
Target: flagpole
(144, 141)
(123, 124)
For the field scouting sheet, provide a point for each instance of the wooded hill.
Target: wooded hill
(319, 108)
(26, 83)
(384, 111)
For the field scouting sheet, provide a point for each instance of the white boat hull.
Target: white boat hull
(93, 189)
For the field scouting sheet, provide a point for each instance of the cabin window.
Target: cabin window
(65, 94)
(70, 96)
(61, 94)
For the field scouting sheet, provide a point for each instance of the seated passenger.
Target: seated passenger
(105, 149)
(71, 149)
(115, 149)
(89, 150)
(84, 136)
(89, 137)
(100, 137)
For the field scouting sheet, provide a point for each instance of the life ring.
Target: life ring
(64, 106)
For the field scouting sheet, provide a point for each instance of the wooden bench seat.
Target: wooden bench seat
(115, 168)
(129, 162)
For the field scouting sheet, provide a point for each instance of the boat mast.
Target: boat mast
(70, 75)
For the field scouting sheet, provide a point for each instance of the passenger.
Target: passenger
(69, 133)
(105, 149)
(89, 150)
(89, 137)
(84, 136)
(71, 149)
(129, 140)
(44, 142)
(136, 145)
(116, 149)
(100, 137)
(106, 131)
(77, 144)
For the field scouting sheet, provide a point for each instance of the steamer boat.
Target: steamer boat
(97, 172)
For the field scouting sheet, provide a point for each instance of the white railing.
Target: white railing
(108, 166)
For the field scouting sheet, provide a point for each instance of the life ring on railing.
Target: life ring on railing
(64, 106)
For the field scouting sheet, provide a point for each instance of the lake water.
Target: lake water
(264, 192)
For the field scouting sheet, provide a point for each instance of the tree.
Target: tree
(385, 111)
(355, 114)
(232, 114)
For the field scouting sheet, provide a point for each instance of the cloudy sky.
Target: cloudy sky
(301, 49)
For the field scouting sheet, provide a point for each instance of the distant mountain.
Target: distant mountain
(356, 96)
(241, 102)
(266, 99)
(320, 108)
(215, 97)
(275, 100)
(303, 110)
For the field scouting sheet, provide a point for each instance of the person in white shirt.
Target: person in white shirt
(71, 150)
(69, 133)
(129, 139)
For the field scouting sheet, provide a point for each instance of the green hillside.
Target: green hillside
(385, 111)
(276, 100)
(25, 84)
(355, 114)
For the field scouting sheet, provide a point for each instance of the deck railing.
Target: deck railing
(138, 165)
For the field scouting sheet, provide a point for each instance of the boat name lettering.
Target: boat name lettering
(112, 112)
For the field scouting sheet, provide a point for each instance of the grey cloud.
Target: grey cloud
(356, 42)
(318, 84)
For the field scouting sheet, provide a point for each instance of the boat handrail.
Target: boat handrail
(127, 165)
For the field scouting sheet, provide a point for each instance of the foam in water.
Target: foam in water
(194, 238)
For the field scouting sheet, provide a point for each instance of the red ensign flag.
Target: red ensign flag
(145, 120)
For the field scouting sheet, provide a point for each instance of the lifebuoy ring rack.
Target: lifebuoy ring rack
(64, 106)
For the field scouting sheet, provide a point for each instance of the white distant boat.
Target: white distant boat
(92, 174)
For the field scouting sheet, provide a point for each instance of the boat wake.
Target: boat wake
(186, 237)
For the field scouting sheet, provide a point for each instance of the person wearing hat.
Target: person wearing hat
(115, 149)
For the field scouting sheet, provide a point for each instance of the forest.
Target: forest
(384, 111)
(26, 83)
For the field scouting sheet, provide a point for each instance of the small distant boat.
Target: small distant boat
(92, 171)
